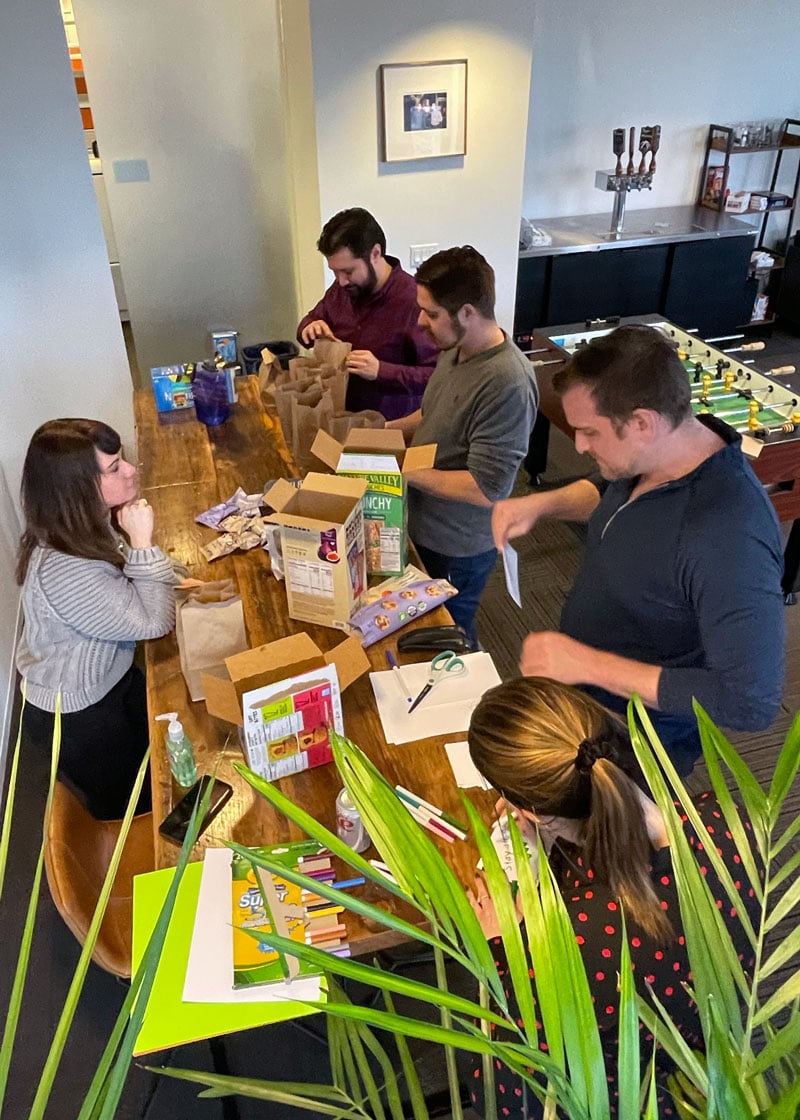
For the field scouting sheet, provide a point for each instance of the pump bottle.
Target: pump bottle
(179, 751)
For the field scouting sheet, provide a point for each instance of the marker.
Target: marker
(421, 803)
(431, 823)
(392, 660)
(384, 870)
(343, 884)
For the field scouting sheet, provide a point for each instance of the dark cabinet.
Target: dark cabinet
(708, 288)
(612, 282)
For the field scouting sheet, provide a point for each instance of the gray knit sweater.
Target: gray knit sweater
(83, 618)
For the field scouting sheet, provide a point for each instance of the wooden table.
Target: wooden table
(184, 469)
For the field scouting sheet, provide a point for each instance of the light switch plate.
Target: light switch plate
(420, 253)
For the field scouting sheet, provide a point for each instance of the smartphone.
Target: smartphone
(175, 825)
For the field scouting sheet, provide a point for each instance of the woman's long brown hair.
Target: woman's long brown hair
(524, 737)
(61, 492)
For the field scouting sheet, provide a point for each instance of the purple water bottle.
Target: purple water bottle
(210, 391)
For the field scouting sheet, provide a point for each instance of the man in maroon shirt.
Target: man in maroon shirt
(371, 304)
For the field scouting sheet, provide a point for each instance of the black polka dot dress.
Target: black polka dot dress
(596, 918)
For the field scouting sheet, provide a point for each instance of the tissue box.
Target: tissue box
(737, 202)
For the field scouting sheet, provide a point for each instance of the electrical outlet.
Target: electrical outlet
(420, 253)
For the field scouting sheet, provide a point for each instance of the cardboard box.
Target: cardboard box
(322, 540)
(381, 458)
(172, 386)
(737, 202)
(273, 662)
(224, 343)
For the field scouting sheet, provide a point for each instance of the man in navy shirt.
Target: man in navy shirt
(679, 592)
(372, 303)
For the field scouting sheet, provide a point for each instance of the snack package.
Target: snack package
(395, 609)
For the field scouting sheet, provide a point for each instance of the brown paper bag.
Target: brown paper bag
(283, 395)
(331, 352)
(209, 625)
(340, 423)
(310, 412)
(269, 371)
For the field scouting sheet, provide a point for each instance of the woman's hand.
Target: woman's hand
(136, 519)
(481, 902)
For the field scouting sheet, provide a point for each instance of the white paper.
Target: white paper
(466, 773)
(446, 709)
(511, 569)
(501, 838)
(209, 972)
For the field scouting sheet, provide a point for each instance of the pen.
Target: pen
(392, 660)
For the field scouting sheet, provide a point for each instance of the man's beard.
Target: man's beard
(359, 292)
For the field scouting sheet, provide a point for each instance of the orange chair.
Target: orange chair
(78, 851)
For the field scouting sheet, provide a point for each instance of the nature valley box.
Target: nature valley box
(322, 540)
(381, 458)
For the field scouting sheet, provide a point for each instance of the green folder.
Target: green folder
(169, 1021)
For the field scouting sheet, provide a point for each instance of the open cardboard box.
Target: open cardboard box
(380, 456)
(322, 540)
(277, 661)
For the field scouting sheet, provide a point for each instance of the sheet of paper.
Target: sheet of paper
(444, 710)
(511, 568)
(465, 771)
(209, 972)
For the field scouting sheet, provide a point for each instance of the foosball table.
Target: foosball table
(763, 405)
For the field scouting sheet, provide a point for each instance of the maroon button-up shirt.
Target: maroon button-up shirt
(386, 324)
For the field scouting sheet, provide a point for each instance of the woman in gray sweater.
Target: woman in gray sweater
(88, 596)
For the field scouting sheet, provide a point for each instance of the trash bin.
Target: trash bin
(283, 351)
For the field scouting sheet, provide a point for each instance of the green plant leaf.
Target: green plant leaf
(785, 772)
(784, 952)
(23, 957)
(290, 1093)
(629, 1057)
(727, 1099)
(415, 1094)
(8, 815)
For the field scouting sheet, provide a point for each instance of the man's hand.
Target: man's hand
(318, 329)
(547, 653)
(514, 517)
(363, 363)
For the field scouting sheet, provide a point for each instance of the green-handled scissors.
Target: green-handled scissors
(443, 664)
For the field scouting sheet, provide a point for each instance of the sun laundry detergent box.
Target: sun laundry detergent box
(172, 386)
(322, 539)
(381, 458)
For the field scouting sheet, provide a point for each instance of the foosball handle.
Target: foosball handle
(783, 369)
(753, 346)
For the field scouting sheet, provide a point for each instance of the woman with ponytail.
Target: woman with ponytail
(565, 768)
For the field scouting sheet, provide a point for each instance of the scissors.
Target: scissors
(444, 664)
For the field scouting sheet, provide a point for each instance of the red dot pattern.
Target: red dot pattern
(663, 968)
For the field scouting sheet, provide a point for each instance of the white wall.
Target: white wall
(60, 336)
(683, 65)
(195, 90)
(475, 199)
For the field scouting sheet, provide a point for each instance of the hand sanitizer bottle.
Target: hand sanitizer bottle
(179, 751)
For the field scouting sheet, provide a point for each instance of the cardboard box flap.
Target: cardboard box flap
(221, 697)
(386, 441)
(333, 484)
(326, 448)
(273, 655)
(350, 660)
(417, 458)
(280, 494)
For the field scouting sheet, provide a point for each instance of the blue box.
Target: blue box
(224, 343)
(172, 386)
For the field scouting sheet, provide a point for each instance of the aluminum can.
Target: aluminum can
(349, 825)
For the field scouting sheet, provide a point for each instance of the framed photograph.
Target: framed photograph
(424, 109)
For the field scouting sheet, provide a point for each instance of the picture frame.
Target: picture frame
(423, 110)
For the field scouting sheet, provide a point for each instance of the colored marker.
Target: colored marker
(343, 884)
(390, 657)
(431, 823)
(414, 799)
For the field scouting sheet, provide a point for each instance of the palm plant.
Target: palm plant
(752, 1058)
(104, 1094)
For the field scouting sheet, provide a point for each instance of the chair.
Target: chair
(78, 851)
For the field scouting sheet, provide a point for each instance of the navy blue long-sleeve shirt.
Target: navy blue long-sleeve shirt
(688, 576)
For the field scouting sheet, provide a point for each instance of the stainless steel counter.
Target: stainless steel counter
(591, 232)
